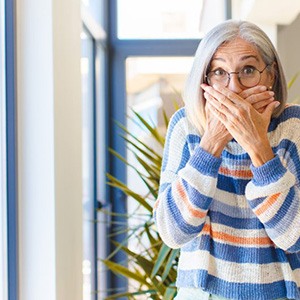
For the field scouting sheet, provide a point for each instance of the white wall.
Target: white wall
(49, 149)
(289, 50)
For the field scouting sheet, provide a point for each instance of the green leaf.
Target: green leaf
(170, 293)
(291, 82)
(163, 253)
(131, 294)
(118, 184)
(119, 269)
(168, 267)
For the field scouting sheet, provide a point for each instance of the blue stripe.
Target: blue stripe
(238, 223)
(242, 157)
(232, 185)
(205, 162)
(196, 198)
(163, 186)
(186, 228)
(271, 171)
(289, 112)
(184, 158)
(236, 254)
(255, 202)
(281, 213)
(294, 259)
(193, 139)
(290, 153)
(241, 291)
(232, 210)
(292, 160)
(295, 247)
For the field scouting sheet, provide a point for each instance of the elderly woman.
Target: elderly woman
(229, 191)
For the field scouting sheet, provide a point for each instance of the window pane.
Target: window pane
(95, 10)
(3, 199)
(101, 115)
(164, 19)
(153, 84)
(88, 268)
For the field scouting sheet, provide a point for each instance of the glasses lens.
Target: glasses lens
(217, 77)
(249, 77)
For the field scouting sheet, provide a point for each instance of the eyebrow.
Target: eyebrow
(243, 58)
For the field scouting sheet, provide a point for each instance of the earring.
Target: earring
(270, 88)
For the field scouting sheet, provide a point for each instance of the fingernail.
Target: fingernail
(277, 104)
(271, 93)
(262, 88)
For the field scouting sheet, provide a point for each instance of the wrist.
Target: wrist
(212, 147)
(261, 155)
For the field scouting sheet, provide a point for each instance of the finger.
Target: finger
(270, 108)
(219, 96)
(260, 97)
(230, 97)
(252, 91)
(215, 112)
(263, 103)
(215, 106)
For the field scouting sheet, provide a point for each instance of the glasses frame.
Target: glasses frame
(239, 76)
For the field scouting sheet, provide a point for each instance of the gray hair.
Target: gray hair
(226, 32)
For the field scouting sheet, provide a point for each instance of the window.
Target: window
(168, 19)
(3, 201)
(88, 267)
(94, 147)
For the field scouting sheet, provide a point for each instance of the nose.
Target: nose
(234, 83)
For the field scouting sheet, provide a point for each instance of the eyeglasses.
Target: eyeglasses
(248, 76)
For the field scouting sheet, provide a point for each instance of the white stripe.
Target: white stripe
(231, 199)
(234, 272)
(185, 211)
(283, 184)
(176, 145)
(206, 185)
(290, 235)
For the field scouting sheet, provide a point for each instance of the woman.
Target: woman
(229, 191)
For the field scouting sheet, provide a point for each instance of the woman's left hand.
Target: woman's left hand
(248, 126)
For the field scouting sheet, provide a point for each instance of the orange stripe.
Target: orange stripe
(236, 239)
(236, 173)
(183, 196)
(156, 204)
(268, 203)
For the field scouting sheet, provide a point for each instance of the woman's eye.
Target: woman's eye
(219, 72)
(248, 70)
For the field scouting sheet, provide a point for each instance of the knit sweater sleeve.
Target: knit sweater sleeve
(187, 185)
(274, 193)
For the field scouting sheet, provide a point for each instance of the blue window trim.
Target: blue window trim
(96, 204)
(11, 149)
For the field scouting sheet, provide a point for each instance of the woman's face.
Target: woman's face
(240, 55)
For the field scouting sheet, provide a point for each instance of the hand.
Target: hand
(258, 96)
(248, 126)
(215, 136)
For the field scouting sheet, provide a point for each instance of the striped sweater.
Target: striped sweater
(238, 226)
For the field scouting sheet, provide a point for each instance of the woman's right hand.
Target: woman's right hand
(216, 136)
(259, 96)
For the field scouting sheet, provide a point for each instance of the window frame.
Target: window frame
(97, 32)
(11, 151)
